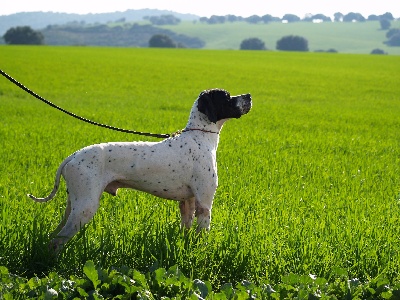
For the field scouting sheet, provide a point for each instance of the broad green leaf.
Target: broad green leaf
(91, 273)
(228, 290)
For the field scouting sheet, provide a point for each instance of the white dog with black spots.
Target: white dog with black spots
(181, 168)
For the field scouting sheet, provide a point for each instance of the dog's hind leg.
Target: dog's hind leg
(78, 213)
(64, 220)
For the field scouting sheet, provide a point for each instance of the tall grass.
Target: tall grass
(309, 180)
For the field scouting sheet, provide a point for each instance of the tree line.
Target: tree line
(125, 35)
(163, 20)
(289, 18)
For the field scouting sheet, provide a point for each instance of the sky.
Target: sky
(206, 8)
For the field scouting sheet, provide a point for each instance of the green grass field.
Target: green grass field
(309, 180)
(359, 38)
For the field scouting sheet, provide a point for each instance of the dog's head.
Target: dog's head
(217, 104)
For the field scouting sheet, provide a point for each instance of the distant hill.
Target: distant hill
(345, 37)
(121, 34)
(39, 20)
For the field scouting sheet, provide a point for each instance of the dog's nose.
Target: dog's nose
(247, 99)
(244, 101)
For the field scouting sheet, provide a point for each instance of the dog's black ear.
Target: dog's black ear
(206, 106)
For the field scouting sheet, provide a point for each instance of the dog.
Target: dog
(181, 168)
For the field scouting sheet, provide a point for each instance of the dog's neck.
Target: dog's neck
(200, 122)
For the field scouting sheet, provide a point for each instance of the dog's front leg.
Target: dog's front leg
(203, 214)
(187, 208)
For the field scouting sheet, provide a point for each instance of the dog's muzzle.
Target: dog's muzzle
(243, 102)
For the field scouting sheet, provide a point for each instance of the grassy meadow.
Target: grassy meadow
(309, 180)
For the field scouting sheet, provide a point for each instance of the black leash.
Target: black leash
(157, 135)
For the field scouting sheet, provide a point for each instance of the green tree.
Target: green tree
(252, 44)
(269, 18)
(254, 19)
(353, 17)
(164, 20)
(378, 51)
(161, 41)
(394, 40)
(385, 24)
(290, 18)
(292, 43)
(338, 17)
(392, 32)
(388, 16)
(393, 36)
(23, 35)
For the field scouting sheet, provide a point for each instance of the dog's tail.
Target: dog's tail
(56, 182)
